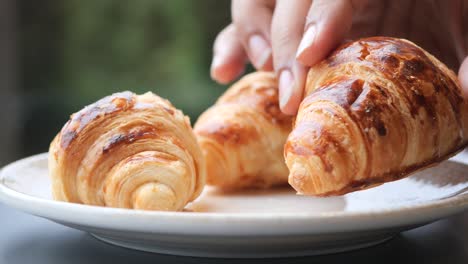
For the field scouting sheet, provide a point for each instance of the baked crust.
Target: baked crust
(242, 136)
(129, 151)
(375, 110)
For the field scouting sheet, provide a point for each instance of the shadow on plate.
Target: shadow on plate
(444, 174)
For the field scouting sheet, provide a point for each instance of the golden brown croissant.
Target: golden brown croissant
(129, 151)
(376, 110)
(243, 134)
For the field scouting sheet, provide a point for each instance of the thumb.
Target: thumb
(327, 24)
(463, 77)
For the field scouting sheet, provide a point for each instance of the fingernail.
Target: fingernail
(217, 61)
(215, 64)
(307, 40)
(286, 83)
(260, 51)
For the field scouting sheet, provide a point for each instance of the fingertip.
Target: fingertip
(224, 71)
(327, 25)
(291, 106)
(268, 66)
(229, 57)
(252, 20)
(259, 51)
(285, 86)
(291, 86)
(463, 77)
(305, 53)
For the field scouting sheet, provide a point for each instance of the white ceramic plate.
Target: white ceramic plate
(253, 223)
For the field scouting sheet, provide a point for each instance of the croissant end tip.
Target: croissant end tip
(155, 196)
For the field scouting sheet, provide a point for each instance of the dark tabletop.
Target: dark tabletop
(29, 239)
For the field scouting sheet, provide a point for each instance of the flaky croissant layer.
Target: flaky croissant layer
(243, 134)
(375, 110)
(128, 151)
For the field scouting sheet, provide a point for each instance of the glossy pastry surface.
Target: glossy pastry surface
(376, 110)
(128, 151)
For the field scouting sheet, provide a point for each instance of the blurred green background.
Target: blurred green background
(71, 53)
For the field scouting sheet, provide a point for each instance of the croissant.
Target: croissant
(127, 151)
(375, 111)
(242, 136)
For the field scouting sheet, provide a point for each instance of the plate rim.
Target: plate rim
(318, 222)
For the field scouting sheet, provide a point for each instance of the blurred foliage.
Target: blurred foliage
(76, 51)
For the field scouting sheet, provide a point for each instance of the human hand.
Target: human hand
(290, 36)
